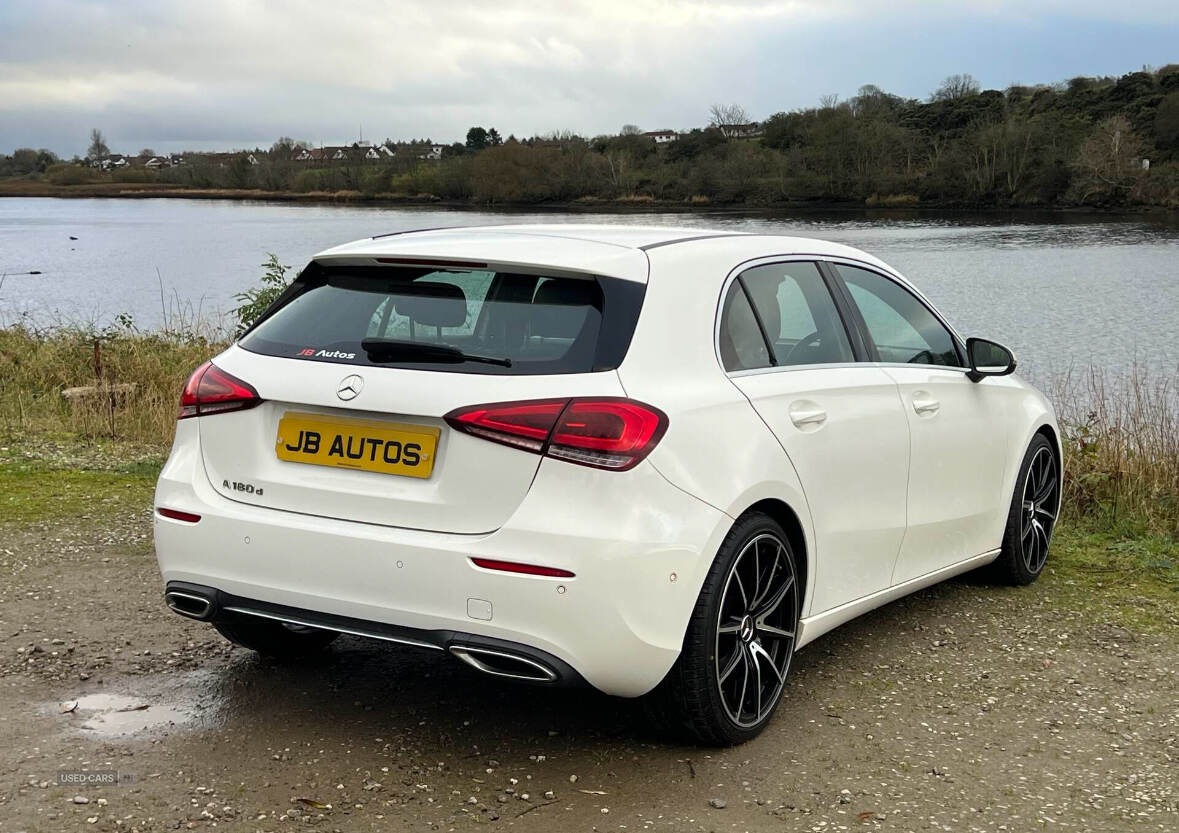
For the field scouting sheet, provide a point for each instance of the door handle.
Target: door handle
(807, 414)
(925, 404)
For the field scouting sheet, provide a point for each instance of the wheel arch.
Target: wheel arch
(1051, 433)
(1043, 425)
(785, 516)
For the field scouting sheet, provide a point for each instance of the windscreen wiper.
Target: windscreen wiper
(396, 350)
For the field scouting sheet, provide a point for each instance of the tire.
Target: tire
(739, 644)
(1031, 517)
(275, 639)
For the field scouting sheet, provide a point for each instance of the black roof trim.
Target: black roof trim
(412, 231)
(651, 246)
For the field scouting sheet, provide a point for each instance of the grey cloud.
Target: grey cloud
(224, 73)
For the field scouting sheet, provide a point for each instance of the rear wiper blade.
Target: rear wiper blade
(397, 350)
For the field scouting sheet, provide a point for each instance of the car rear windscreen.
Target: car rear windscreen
(458, 321)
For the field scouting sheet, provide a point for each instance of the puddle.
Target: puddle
(116, 714)
(152, 708)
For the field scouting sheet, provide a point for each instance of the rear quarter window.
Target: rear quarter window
(456, 321)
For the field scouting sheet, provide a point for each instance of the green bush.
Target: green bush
(253, 302)
(69, 174)
(134, 175)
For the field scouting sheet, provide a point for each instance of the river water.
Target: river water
(1061, 290)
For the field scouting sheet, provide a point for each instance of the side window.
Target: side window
(798, 314)
(741, 344)
(902, 327)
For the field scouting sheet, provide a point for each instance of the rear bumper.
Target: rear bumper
(492, 656)
(638, 546)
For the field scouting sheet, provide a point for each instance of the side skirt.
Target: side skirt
(812, 627)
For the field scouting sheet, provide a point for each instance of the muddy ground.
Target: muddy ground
(964, 708)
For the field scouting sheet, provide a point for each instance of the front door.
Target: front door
(957, 428)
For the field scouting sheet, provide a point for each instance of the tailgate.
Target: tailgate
(473, 486)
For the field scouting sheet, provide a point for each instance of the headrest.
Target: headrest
(560, 307)
(433, 304)
(765, 297)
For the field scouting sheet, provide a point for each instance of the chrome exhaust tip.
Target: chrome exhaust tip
(499, 663)
(189, 604)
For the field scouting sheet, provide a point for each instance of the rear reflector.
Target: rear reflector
(514, 567)
(177, 515)
(603, 432)
(210, 390)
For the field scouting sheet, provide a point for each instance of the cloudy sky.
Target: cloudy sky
(222, 74)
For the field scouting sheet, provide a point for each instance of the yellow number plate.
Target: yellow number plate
(367, 445)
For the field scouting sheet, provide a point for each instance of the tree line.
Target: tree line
(1096, 141)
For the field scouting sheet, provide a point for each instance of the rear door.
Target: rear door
(841, 424)
(958, 428)
(359, 368)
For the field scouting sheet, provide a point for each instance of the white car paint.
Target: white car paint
(886, 499)
(853, 465)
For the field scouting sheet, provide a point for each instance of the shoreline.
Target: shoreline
(37, 190)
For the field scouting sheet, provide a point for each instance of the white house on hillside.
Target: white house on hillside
(662, 137)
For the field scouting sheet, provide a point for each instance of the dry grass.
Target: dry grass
(35, 367)
(1121, 433)
(1121, 446)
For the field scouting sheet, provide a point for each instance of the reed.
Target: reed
(1121, 444)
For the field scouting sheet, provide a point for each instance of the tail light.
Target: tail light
(606, 433)
(210, 390)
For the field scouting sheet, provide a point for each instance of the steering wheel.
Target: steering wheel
(923, 357)
(806, 341)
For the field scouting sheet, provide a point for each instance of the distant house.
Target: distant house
(360, 152)
(106, 163)
(155, 163)
(417, 150)
(741, 131)
(355, 153)
(312, 155)
(661, 137)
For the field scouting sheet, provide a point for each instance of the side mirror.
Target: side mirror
(988, 359)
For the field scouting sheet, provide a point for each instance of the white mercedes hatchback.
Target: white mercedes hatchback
(657, 461)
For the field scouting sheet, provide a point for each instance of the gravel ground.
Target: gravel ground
(964, 708)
